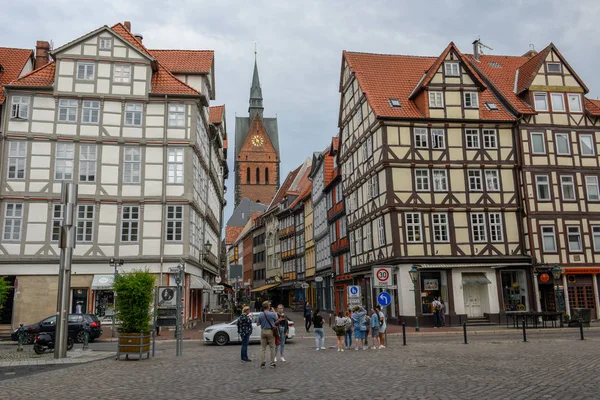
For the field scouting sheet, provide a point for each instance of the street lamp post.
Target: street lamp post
(556, 273)
(115, 264)
(414, 276)
(206, 251)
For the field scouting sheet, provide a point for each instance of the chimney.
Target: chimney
(127, 25)
(476, 50)
(138, 36)
(42, 53)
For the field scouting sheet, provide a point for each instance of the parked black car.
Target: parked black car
(76, 328)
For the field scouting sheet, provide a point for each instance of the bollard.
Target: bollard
(21, 338)
(212, 321)
(524, 331)
(404, 334)
(86, 335)
(465, 331)
(581, 328)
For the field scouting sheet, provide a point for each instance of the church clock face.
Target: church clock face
(257, 140)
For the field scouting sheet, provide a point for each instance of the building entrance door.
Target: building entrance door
(472, 297)
(79, 301)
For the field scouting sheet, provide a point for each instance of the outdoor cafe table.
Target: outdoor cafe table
(531, 318)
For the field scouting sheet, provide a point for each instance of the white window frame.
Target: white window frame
(64, 161)
(20, 107)
(436, 99)
(122, 73)
(85, 223)
(381, 231)
(88, 159)
(133, 113)
(413, 227)
(566, 137)
(90, 112)
(471, 99)
(592, 144)
(572, 231)
(174, 222)
(373, 187)
(175, 164)
(177, 115)
(539, 95)
(86, 71)
(130, 224)
(368, 236)
(132, 165)
(439, 221)
(102, 45)
(492, 180)
(57, 220)
(420, 135)
(472, 134)
(17, 160)
(548, 231)
(359, 240)
(67, 110)
(13, 221)
(451, 68)
(478, 227)
(490, 139)
(439, 179)
(592, 188)
(537, 134)
(566, 181)
(539, 181)
(596, 238)
(422, 180)
(438, 140)
(574, 98)
(555, 64)
(475, 181)
(560, 101)
(496, 230)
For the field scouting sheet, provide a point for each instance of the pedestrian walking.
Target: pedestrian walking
(442, 314)
(244, 328)
(284, 327)
(382, 328)
(348, 336)
(266, 321)
(358, 319)
(437, 306)
(375, 327)
(307, 316)
(317, 321)
(340, 330)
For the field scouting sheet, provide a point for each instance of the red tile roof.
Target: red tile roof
(328, 165)
(284, 188)
(12, 62)
(592, 106)
(305, 189)
(120, 30)
(186, 61)
(164, 82)
(231, 233)
(216, 114)
(335, 144)
(43, 76)
(529, 69)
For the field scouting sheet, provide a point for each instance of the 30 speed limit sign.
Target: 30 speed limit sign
(382, 277)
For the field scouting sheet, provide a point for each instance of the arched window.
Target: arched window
(267, 176)
(248, 175)
(257, 175)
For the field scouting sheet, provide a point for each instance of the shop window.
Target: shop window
(514, 290)
(433, 285)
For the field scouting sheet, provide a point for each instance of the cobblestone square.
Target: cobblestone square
(489, 367)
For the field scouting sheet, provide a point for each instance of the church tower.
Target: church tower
(256, 150)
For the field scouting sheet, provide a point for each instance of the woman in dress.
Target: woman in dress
(340, 330)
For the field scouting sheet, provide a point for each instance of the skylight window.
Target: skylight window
(494, 64)
(395, 103)
(491, 106)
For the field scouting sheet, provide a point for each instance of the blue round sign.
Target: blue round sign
(354, 290)
(384, 299)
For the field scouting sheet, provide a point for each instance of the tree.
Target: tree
(135, 292)
(4, 289)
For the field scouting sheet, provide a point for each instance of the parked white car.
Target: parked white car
(221, 334)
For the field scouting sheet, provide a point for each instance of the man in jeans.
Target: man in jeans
(266, 321)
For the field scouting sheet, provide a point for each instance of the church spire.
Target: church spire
(256, 99)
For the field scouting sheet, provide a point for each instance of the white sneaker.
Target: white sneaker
(282, 359)
(275, 360)
(323, 348)
(374, 348)
(317, 349)
(382, 347)
(356, 348)
(365, 348)
(341, 349)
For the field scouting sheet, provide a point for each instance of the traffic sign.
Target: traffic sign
(382, 277)
(166, 296)
(353, 292)
(384, 299)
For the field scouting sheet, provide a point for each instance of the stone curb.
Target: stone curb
(77, 359)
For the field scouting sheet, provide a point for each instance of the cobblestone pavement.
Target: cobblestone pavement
(546, 367)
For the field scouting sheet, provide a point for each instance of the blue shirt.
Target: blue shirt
(262, 319)
(375, 321)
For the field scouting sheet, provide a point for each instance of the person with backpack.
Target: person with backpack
(244, 328)
(437, 307)
(307, 316)
(266, 321)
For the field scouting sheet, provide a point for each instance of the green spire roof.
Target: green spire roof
(256, 99)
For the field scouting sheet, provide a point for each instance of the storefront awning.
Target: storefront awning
(265, 287)
(198, 283)
(103, 282)
(475, 278)
(476, 265)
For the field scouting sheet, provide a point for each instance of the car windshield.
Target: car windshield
(50, 320)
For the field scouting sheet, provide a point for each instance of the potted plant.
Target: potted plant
(134, 292)
(566, 318)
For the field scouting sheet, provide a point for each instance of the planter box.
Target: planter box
(133, 343)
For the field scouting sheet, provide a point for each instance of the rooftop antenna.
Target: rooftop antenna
(478, 48)
(255, 49)
(481, 45)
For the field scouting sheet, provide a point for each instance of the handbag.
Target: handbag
(273, 328)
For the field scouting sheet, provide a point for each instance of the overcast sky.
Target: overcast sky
(300, 45)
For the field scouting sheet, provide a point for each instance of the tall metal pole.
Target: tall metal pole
(417, 329)
(67, 244)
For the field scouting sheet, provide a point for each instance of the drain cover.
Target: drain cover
(270, 390)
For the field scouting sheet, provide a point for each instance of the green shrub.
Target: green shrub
(135, 292)
(4, 289)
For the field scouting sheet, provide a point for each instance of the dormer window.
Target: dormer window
(436, 99)
(554, 68)
(471, 100)
(558, 102)
(395, 103)
(541, 101)
(452, 69)
(491, 106)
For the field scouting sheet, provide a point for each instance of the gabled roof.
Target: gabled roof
(122, 31)
(186, 61)
(529, 70)
(43, 76)
(284, 188)
(242, 127)
(593, 106)
(12, 62)
(216, 114)
(164, 82)
(243, 211)
(305, 191)
(231, 233)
